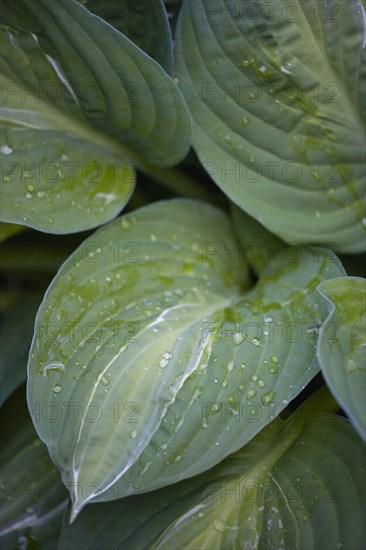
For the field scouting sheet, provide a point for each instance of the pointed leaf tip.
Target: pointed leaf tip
(171, 397)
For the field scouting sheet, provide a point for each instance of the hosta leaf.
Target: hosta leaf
(277, 94)
(33, 498)
(16, 331)
(86, 187)
(144, 23)
(341, 346)
(258, 245)
(299, 484)
(80, 103)
(177, 360)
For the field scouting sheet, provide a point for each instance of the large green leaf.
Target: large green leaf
(157, 338)
(16, 332)
(299, 484)
(81, 103)
(33, 498)
(341, 346)
(145, 23)
(277, 94)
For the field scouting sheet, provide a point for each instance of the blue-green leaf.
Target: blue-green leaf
(144, 23)
(33, 498)
(277, 94)
(342, 345)
(81, 105)
(258, 245)
(160, 340)
(299, 484)
(15, 339)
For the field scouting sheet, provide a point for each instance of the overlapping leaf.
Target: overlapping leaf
(80, 103)
(298, 484)
(341, 346)
(277, 93)
(258, 245)
(33, 498)
(16, 331)
(168, 362)
(144, 23)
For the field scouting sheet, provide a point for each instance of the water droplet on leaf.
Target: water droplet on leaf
(104, 380)
(250, 394)
(219, 525)
(125, 224)
(6, 149)
(56, 366)
(268, 397)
